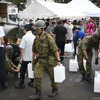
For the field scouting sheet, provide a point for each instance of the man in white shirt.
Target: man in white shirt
(26, 54)
(2, 59)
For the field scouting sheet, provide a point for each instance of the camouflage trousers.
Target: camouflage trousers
(80, 59)
(39, 69)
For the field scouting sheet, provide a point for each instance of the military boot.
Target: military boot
(83, 77)
(53, 93)
(20, 86)
(88, 78)
(36, 96)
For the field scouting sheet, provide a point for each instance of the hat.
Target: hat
(9, 48)
(27, 27)
(90, 20)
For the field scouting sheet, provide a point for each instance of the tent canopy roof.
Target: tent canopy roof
(75, 8)
(42, 9)
(85, 6)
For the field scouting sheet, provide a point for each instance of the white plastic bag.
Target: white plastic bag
(19, 66)
(30, 71)
(59, 73)
(84, 63)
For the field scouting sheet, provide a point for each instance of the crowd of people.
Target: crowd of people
(43, 45)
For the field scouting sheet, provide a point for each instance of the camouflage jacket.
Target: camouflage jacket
(88, 44)
(45, 47)
(8, 64)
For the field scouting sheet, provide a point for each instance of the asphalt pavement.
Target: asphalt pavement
(71, 89)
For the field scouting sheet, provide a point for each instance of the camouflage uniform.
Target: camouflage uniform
(45, 47)
(8, 65)
(86, 44)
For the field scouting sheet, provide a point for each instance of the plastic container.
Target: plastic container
(59, 74)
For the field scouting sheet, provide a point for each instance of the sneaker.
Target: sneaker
(53, 93)
(36, 96)
(20, 86)
(31, 84)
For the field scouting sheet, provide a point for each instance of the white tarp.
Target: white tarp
(86, 7)
(42, 9)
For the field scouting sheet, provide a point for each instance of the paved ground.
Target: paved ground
(71, 89)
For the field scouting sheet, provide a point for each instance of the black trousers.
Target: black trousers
(75, 45)
(2, 76)
(61, 46)
(23, 71)
(2, 66)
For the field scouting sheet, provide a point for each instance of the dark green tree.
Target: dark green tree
(20, 3)
(96, 2)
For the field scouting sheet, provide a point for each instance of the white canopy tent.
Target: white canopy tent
(86, 7)
(36, 10)
(42, 9)
(61, 9)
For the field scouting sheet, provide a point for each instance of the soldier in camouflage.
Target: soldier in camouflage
(9, 65)
(85, 49)
(45, 52)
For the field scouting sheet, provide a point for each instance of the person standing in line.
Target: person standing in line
(31, 23)
(69, 32)
(78, 35)
(50, 28)
(90, 27)
(47, 23)
(60, 35)
(2, 60)
(85, 50)
(46, 56)
(26, 55)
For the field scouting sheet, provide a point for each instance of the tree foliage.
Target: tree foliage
(96, 2)
(20, 3)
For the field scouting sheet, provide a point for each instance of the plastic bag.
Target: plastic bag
(30, 71)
